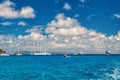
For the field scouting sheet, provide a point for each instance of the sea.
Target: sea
(57, 67)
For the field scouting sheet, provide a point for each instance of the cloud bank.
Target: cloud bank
(64, 35)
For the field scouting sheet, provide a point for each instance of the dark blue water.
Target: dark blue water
(60, 68)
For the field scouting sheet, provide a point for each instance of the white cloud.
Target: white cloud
(21, 23)
(76, 15)
(66, 6)
(32, 36)
(65, 26)
(6, 23)
(27, 12)
(37, 28)
(117, 16)
(7, 10)
(66, 32)
(65, 35)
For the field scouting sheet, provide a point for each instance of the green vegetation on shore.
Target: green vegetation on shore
(2, 51)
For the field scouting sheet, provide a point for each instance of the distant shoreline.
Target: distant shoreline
(70, 55)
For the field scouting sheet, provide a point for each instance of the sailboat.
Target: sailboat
(42, 53)
(18, 52)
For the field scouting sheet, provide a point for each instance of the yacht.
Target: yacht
(18, 54)
(4, 54)
(41, 53)
(44, 52)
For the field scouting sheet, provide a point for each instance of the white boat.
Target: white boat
(44, 52)
(18, 54)
(4, 54)
(41, 53)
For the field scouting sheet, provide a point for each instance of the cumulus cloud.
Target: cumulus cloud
(27, 12)
(31, 42)
(6, 23)
(37, 28)
(33, 36)
(65, 26)
(117, 16)
(64, 35)
(66, 32)
(21, 23)
(66, 6)
(7, 10)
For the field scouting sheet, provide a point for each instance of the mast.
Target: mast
(40, 47)
(45, 45)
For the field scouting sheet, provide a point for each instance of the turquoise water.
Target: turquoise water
(60, 68)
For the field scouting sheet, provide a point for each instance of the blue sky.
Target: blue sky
(93, 14)
(82, 26)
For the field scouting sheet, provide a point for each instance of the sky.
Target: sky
(65, 26)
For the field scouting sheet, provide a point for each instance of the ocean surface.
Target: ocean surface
(60, 68)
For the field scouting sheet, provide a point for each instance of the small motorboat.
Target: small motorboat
(65, 56)
(107, 52)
